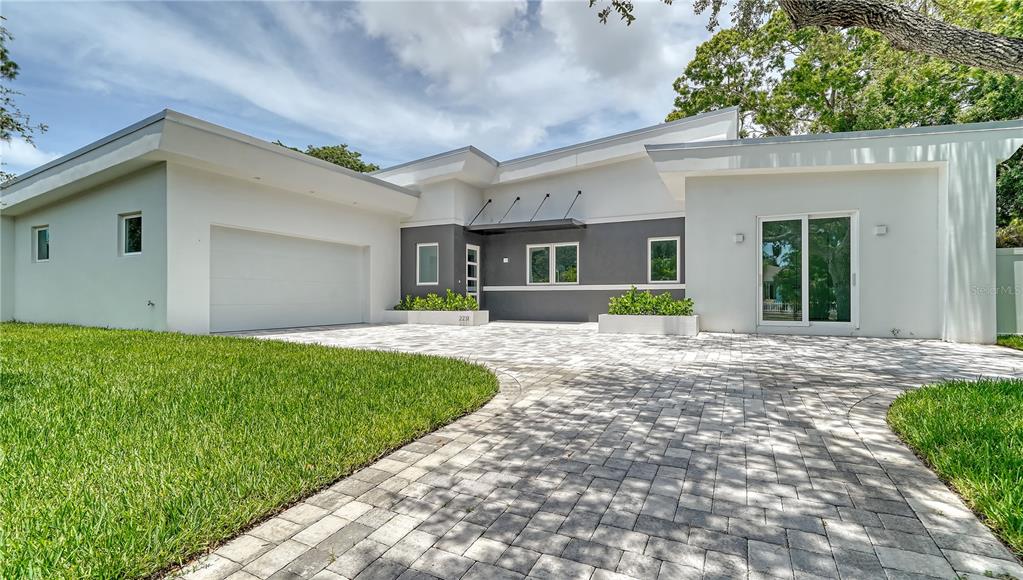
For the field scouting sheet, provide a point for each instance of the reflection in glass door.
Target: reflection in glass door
(472, 271)
(781, 270)
(807, 269)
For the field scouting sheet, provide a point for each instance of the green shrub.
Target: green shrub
(635, 302)
(1010, 235)
(432, 301)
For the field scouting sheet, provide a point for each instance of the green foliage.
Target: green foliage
(789, 82)
(123, 452)
(13, 122)
(1011, 341)
(450, 302)
(336, 154)
(634, 302)
(1010, 235)
(971, 434)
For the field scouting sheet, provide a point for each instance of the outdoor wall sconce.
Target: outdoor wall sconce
(739, 238)
(505, 260)
(880, 230)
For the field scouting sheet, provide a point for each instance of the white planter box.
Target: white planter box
(640, 324)
(440, 317)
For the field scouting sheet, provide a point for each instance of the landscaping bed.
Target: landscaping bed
(125, 452)
(1011, 340)
(971, 434)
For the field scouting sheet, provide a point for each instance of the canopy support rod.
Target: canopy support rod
(539, 206)
(517, 198)
(480, 211)
(578, 193)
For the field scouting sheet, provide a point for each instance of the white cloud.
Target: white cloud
(18, 156)
(396, 80)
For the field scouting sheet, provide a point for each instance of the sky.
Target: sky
(394, 80)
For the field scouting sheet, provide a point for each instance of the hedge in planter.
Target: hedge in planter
(450, 302)
(645, 303)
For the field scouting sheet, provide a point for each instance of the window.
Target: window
(41, 243)
(131, 234)
(427, 264)
(663, 260)
(808, 269)
(553, 263)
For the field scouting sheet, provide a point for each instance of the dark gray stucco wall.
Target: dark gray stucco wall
(612, 253)
(451, 240)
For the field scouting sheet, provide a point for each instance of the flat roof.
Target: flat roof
(843, 136)
(567, 148)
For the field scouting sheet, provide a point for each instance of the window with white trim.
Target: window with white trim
(131, 233)
(41, 243)
(427, 264)
(663, 260)
(552, 263)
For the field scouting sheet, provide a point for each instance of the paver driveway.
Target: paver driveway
(651, 457)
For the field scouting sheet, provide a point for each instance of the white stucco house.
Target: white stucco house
(177, 224)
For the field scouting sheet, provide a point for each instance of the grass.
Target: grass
(971, 433)
(125, 452)
(1011, 340)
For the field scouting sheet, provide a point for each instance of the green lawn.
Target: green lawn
(1011, 340)
(971, 433)
(123, 452)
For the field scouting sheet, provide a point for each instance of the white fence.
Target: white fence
(1009, 279)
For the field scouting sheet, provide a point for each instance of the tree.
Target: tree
(13, 122)
(336, 154)
(788, 81)
(903, 24)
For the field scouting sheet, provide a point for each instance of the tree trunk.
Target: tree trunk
(911, 31)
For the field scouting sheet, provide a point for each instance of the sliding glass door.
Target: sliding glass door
(807, 269)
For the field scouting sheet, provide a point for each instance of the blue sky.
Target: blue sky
(395, 80)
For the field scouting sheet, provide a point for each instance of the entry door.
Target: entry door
(807, 271)
(472, 271)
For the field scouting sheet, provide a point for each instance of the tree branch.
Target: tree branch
(910, 30)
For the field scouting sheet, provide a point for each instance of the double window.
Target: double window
(663, 260)
(427, 264)
(552, 263)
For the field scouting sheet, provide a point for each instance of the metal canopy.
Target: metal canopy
(534, 226)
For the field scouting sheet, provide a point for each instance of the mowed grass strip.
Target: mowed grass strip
(971, 433)
(1011, 340)
(123, 452)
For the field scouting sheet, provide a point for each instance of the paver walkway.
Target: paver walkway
(609, 456)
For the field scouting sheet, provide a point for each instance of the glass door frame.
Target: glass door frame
(854, 266)
(478, 263)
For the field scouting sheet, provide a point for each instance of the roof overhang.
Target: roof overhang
(530, 226)
(171, 137)
(917, 147)
(472, 166)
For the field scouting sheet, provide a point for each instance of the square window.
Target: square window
(41, 243)
(553, 263)
(427, 264)
(131, 234)
(663, 260)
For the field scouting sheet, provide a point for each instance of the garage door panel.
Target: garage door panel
(260, 280)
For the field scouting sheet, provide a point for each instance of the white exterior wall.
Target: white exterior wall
(621, 191)
(899, 273)
(6, 268)
(446, 202)
(1009, 290)
(87, 281)
(197, 200)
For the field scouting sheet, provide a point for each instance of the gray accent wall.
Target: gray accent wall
(451, 240)
(609, 253)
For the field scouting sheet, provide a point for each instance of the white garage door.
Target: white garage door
(262, 280)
